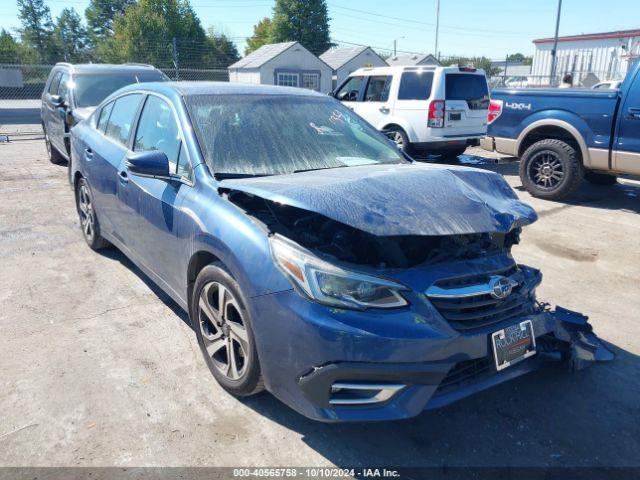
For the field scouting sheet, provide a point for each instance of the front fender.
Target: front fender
(570, 122)
(232, 236)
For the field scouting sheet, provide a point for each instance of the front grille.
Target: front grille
(470, 312)
(465, 371)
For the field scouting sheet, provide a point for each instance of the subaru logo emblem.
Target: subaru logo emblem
(500, 286)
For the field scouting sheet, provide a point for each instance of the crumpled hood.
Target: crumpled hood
(386, 200)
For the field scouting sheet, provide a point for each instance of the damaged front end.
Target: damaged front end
(427, 246)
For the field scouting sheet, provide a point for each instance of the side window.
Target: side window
(311, 81)
(158, 130)
(104, 116)
(183, 169)
(63, 88)
(55, 82)
(348, 92)
(415, 86)
(121, 118)
(378, 89)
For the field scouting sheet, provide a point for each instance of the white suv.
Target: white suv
(440, 110)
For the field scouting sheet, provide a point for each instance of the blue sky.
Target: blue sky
(468, 27)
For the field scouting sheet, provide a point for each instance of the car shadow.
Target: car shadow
(548, 418)
(624, 195)
(112, 253)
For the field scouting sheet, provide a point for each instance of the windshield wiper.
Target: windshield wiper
(319, 168)
(227, 175)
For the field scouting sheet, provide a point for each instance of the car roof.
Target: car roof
(187, 89)
(106, 67)
(408, 68)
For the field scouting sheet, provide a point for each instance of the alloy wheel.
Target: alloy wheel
(223, 329)
(546, 170)
(399, 141)
(85, 208)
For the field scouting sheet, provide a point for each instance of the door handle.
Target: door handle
(123, 176)
(384, 110)
(634, 112)
(88, 154)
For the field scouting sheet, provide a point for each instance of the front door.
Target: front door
(154, 202)
(375, 106)
(349, 92)
(626, 154)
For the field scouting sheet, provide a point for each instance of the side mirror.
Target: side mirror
(153, 163)
(56, 100)
(332, 94)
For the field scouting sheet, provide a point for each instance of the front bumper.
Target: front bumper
(306, 350)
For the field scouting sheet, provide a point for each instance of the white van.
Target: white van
(440, 110)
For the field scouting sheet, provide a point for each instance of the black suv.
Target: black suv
(72, 92)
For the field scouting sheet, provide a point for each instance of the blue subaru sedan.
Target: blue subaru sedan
(315, 260)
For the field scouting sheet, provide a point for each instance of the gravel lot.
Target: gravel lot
(100, 368)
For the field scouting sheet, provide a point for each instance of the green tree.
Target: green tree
(100, 15)
(71, 35)
(10, 51)
(220, 52)
(37, 29)
(477, 62)
(261, 35)
(144, 33)
(305, 21)
(519, 58)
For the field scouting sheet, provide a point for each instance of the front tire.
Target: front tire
(551, 169)
(223, 328)
(88, 217)
(600, 178)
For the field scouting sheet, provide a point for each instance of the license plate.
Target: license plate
(455, 116)
(513, 344)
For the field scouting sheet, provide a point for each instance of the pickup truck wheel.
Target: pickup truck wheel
(600, 178)
(400, 138)
(551, 169)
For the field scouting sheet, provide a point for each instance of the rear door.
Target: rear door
(466, 104)
(105, 157)
(57, 125)
(626, 154)
(375, 106)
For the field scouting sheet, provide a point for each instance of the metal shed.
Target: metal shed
(347, 60)
(288, 64)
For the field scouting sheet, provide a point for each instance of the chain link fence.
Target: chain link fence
(26, 82)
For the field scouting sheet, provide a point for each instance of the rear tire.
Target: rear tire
(400, 138)
(551, 169)
(600, 178)
(88, 218)
(54, 155)
(223, 328)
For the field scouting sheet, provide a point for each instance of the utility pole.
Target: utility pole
(554, 54)
(394, 48)
(435, 52)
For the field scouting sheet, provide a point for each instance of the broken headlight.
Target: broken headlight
(332, 285)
